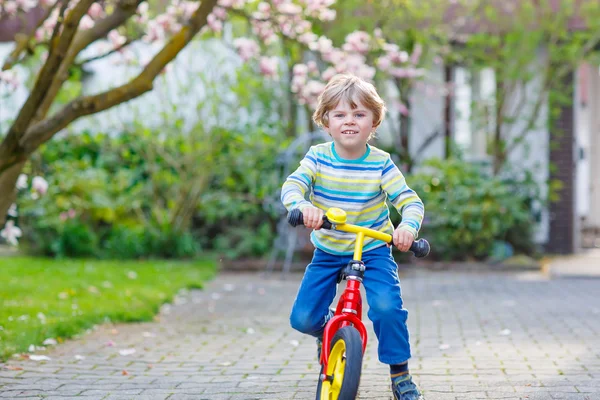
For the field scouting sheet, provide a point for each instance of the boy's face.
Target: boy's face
(350, 129)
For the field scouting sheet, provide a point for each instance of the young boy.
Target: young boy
(358, 178)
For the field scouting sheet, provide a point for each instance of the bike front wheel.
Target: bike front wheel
(343, 368)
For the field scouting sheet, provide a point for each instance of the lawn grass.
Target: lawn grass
(47, 298)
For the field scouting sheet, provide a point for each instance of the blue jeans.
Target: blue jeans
(318, 290)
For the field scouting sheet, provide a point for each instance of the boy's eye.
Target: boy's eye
(360, 115)
(338, 115)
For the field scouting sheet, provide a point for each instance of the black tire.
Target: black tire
(350, 339)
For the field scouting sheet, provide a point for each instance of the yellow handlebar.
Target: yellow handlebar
(338, 218)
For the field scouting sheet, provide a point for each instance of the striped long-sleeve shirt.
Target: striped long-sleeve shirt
(359, 187)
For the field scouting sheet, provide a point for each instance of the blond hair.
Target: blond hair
(352, 89)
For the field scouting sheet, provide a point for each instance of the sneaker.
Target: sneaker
(404, 388)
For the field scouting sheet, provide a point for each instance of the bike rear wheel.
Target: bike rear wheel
(343, 368)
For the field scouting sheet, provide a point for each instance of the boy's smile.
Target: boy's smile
(350, 128)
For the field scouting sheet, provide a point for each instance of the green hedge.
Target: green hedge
(148, 193)
(470, 214)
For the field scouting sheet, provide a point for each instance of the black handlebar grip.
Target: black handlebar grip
(420, 248)
(296, 218)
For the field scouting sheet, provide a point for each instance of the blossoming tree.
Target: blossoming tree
(67, 27)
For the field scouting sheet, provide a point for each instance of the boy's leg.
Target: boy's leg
(389, 319)
(384, 297)
(310, 311)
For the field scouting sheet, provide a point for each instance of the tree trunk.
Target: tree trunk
(8, 192)
(448, 80)
(498, 148)
(405, 123)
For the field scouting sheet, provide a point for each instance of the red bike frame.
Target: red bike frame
(348, 312)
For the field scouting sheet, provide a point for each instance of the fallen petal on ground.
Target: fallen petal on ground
(126, 352)
(35, 357)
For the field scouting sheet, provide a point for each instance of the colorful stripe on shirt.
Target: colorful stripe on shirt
(359, 187)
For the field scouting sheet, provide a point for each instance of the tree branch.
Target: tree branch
(108, 53)
(534, 114)
(123, 11)
(44, 130)
(59, 45)
(22, 41)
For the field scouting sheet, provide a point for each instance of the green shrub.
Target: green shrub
(137, 195)
(468, 212)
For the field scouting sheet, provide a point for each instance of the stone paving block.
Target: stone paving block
(210, 354)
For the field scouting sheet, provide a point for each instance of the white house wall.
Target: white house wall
(588, 140)
(427, 114)
(181, 92)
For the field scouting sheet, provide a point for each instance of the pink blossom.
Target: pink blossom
(300, 69)
(304, 26)
(215, 24)
(10, 78)
(231, 3)
(116, 38)
(39, 185)
(96, 11)
(10, 8)
(220, 13)
(86, 22)
(21, 182)
(27, 4)
(409, 73)
(328, 74)
(323, 46)
(307, 38)
(312, 67)
(327, 15)
(416, 54)
(12, 210)
(268, 66)
(401, 107)
(384, 63)
(334, 56)
(153, 32)
(246, 48)
(289, 8)
(264, 8)
(357, 41)
(298, 82)
(11, 233)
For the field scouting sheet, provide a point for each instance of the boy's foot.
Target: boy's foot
(404, 388)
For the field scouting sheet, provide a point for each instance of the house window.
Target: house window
(474, 112)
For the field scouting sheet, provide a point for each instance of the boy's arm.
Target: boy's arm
(404, 199)
(299, 182)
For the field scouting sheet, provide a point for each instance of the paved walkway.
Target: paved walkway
(584, 264)
(474, 335)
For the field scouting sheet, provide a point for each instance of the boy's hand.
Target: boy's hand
(403, 239)
(313, 217)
